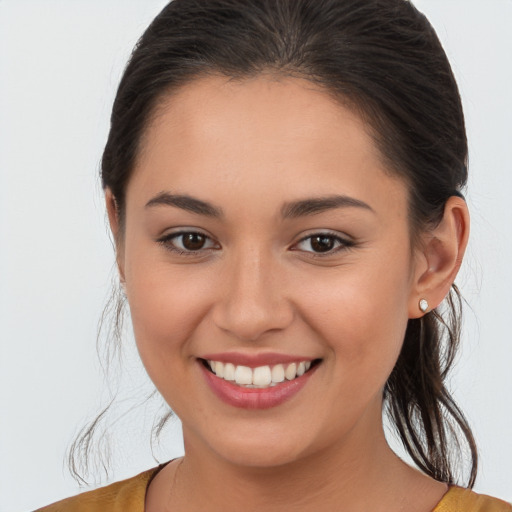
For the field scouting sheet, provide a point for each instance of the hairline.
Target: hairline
(161, 102)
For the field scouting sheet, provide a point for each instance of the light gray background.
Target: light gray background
(60, 62)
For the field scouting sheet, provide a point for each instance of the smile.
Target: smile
(257, 387)
(260, 377)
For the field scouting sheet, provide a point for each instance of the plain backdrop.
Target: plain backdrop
(60, 62)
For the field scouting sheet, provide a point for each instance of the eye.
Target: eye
(187, 242)
(321, 244)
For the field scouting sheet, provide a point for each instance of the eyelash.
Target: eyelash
(166, 241)
(343, 244)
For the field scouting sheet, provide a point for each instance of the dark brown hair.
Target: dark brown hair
(383, 59)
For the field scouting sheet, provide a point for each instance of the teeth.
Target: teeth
(278, 373)
(243, 375)
(229, 371)
(260, 377)
(291, 371)
(219, 369)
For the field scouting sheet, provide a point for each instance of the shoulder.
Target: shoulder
(124, 496)
(458, 499)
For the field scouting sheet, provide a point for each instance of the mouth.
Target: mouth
(260, 377)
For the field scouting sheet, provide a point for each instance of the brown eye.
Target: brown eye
(188, 243)
(322, 243)
(193, 241)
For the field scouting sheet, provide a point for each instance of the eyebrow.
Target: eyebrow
(185, 202)
(290, 210)
(313, 206)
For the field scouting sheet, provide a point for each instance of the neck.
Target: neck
(361, 472)
(315, 482)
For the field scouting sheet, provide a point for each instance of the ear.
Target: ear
(439, 257)
(113, 219)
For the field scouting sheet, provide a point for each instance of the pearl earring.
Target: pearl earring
(423, 304)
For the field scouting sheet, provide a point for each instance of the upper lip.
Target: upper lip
(255, 360)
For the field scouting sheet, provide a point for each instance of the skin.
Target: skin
(248, 148)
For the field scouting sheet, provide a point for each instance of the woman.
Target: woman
(283, 182)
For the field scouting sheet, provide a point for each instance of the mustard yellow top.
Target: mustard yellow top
(129, 496)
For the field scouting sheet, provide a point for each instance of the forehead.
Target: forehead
(278, 137)
(265, 110)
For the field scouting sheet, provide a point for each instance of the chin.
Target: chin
(260, 447)
(260, 456)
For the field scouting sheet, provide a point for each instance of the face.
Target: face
(265, 239)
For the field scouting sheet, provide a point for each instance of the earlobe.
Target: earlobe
(441, 256)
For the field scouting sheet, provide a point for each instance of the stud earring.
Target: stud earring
(423, 304)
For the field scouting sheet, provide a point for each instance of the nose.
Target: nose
(252, 300)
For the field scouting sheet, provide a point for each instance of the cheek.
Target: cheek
(159, 302)
(362, 316)
(166, 305)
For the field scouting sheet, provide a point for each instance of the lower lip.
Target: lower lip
(255, 398)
